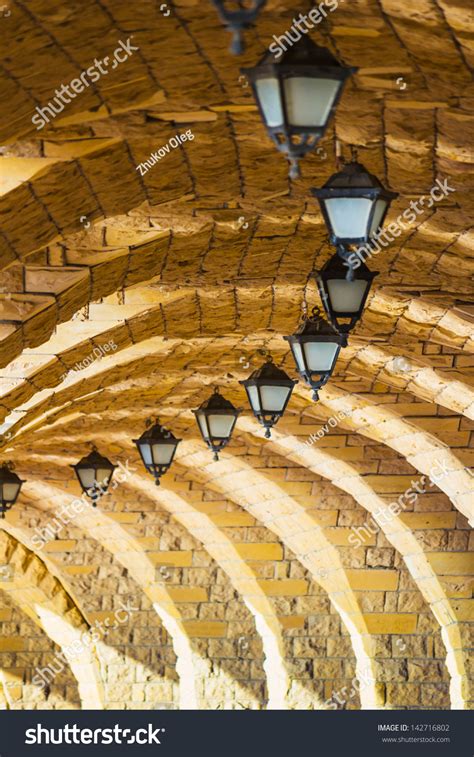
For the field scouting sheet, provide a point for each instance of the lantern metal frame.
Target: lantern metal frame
(353, 182)
(317, 330)
(338, 267)
(268, 375)
(303, 59)
(154, 434)
(217, 405)
(237, 21)
(95, 461)
(8, 476)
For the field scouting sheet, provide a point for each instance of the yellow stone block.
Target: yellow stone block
(459, 563)
(187, 594)
(340, 537)
(389, 484)
(124, 517)
(260, 551)
(176, 558)
(275, 474)
(324, 517)
(464, 609)
(233, 519)
(80, 570)
(458, 586)
(210, 508)
(60, 545)
(149, 542)
(373, 580)
(205, 628)
(291, 621)
(101, 616)
(429, 520)
(296, 487)
(286, 587)
(5, 614)
(385, 622)
(12, 644)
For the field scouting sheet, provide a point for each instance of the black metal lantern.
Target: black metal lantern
(315, 347)
(10, 485)
(354, 204)
(297, 95)
(239, 19)
(216, 418)
(94, 472)
(269, 390)
(157, 447)
(344, 291)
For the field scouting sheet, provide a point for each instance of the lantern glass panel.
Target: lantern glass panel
(162, 453)
(86, 477)
(145, 449)
(103, 476)
(346, 296)
(379, 212)
(10, 491)
(309, 99)
(220, 426)
(319, 356)
(349, 216)
(202, 420)
(273, 398)
(268, 91)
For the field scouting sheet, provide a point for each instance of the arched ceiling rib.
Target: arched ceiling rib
(421, 437)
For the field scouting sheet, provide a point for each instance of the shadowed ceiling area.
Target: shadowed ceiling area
(131, 286)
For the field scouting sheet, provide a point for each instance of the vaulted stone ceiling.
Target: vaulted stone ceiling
(124, 296)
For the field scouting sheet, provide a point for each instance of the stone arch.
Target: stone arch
(49, 606)
(348, 479)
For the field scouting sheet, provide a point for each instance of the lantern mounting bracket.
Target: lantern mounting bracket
(238, 20)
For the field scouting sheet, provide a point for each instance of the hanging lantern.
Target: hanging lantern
(315, 347)
(269, 390)
(239, 19)
(94, 473)
(344, 292)
(297, 95)
(216, 418)
(10, 485)
(157, 447)
(354, 205)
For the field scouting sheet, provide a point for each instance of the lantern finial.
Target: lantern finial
(238, 20)
(295, 171)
